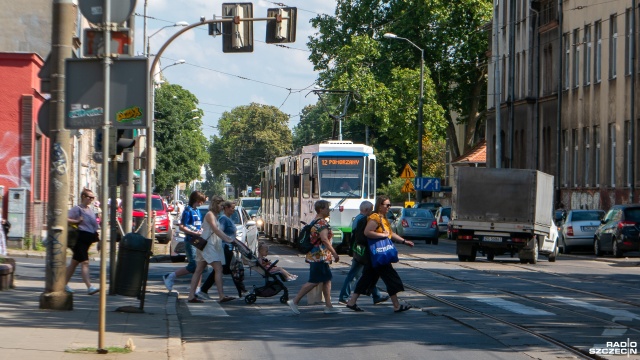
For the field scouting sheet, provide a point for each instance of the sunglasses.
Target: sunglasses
(90, 197)
(387, 205)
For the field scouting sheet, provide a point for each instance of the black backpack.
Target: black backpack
(304, 239)
(359, 243)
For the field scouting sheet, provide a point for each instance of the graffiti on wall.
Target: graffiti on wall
(15, 170)
(59, 161)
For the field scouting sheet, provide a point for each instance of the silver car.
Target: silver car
(578, 229)
(246, 229)
(443, 215)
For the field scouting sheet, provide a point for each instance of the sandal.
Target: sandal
(226, 299)
(403, 308)
(354, 307)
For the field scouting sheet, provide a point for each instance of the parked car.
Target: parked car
(251, 205)
(578, 228)
(416, 224)
(394, 213)
(177, 243)
(452, 233)
(163, 221)
(618, 232)
(246, 229)
(443, 214)
(259, 221)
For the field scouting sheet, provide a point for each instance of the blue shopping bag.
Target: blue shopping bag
(383, 252)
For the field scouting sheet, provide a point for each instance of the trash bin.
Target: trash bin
(132, 267)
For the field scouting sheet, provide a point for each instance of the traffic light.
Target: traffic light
(97, 147)
(124, 140)
(283, 28)
(237, 36)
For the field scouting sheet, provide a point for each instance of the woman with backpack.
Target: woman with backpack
(378, 227)
(319, 259)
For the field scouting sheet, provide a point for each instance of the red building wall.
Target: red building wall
(24, 147)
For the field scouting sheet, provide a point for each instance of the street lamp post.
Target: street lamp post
(179, 23)
(420, 105)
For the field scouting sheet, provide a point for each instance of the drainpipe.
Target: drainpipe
(511, 86)
(632, 154)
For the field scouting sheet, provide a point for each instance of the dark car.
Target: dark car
(619, 231)
(416, 224)
(578, 228)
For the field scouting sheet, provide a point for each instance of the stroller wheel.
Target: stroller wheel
(284, 298)
(250, 299)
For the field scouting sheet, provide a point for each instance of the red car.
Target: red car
(163, 222)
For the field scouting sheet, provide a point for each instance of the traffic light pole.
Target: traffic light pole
(150, 151)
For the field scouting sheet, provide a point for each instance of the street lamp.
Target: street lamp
(421, 102)
(179, 23)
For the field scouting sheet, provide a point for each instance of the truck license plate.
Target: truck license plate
(492, 239)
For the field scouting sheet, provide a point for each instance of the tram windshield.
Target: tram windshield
(341, 177)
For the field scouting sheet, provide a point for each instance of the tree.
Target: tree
(250, 138)
(181, 147)
(449, 32)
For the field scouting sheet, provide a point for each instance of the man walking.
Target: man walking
(366, 207)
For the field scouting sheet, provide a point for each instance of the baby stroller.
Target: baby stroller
(273, 283)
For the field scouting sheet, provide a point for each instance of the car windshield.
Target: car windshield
(141, 203)
(251, 204)
(417, 213)
(445, 212)
(587, 215)
(236, 217)
(632, 214)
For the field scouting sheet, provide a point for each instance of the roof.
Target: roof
(476, 155)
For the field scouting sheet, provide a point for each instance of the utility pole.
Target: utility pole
(62, 30)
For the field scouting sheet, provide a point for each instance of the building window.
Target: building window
(627, 153)
(598, 53)
(596, 149)
(567, 47)
(612, 154)
(627, 47)
(565, 158)
(587, 55)
(613, 46)
(576, 58)
(574, 141)
(587, 155)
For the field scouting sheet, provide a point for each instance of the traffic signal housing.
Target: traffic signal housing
(283, 28)
(124, 140)
(237, 36)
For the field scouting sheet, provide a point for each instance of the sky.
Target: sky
(222, 81)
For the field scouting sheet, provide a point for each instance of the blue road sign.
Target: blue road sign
(427, 184)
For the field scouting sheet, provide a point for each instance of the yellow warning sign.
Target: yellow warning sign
(407, 173)
(408, 186)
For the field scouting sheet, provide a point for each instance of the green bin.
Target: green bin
(132, 267)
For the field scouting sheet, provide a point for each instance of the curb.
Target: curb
(174, 332)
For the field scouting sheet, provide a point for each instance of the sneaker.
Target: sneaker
(92, 290)
(68, 289)
(168, 281)
(332, 310)
(293, 307)
(203, 295)
(195, 301)
(381, 300)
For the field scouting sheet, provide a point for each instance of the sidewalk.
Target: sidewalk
(28, 333)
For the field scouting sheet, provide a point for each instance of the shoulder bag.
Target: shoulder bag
(382, 250)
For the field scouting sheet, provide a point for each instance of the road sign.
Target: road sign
(407, 187)
(427, 184)
(407, 173)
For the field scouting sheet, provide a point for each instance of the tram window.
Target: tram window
(306, 186)
(372, 178)
(306, 166)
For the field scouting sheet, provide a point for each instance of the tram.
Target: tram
(339, 171)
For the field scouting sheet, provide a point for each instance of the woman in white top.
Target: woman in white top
(212, 253)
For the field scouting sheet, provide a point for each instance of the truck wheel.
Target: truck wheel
(534, 255)
(462, 258)
(472, 257)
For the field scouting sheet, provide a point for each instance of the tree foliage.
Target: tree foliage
(181, 147)
(450, 32)
(250, 137)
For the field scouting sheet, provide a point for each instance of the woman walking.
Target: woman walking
(378, 227)
(319, 259)
(212, 253)
(83, 216)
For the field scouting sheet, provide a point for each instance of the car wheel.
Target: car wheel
(617, 252)
(427, 241)
(554, 255)
(463, 258)
(566, 249)
(472, 257)
(491, 256)
(434, 241)
(596, 248)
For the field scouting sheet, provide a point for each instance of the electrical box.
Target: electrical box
(17, 211)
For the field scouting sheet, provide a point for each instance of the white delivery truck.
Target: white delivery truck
(503, 211)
